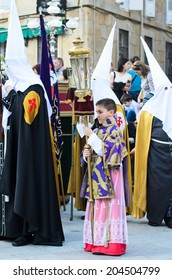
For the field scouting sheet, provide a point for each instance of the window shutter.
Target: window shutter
(169, 12)
(120, 2)
(150, 8)
(124, 4)
(136, 5)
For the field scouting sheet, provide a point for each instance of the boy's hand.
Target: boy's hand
(87, 131)
(87, 153)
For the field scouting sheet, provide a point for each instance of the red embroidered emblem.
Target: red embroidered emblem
(119, 121)
(32, 103)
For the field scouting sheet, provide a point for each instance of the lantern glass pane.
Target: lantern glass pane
(84, 72)
(81, 71)
(70, 77)
(75, 73)
(88, 73)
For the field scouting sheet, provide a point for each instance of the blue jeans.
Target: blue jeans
(130, 115)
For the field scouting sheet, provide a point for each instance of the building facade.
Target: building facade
(96, 18)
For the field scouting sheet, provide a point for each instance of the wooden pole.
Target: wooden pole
(72, 164)
(61, 184)
(91, 199)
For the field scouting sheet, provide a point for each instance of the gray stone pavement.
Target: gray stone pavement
(144, 243)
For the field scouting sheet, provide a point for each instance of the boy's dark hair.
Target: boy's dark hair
(37, 68)
(107, 103)
(125, 98)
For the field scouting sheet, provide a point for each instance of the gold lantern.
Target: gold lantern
(83, 103)
(80, 63)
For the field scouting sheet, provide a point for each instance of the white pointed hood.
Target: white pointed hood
(18, 69)
(161, 103)
(100, 80)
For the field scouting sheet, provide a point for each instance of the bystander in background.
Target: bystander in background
(59, 67)
(136, 80)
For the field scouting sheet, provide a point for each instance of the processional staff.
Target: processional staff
(83, 107)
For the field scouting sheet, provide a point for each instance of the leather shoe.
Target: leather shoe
(39, 240)
(153, 224)
(168, 222)
(169, 225)
(22, 240)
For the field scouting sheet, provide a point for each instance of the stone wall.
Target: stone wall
(96, 20)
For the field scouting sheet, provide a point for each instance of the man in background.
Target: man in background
(59, 67)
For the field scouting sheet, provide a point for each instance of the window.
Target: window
(123, 43)
(148, 41)
(168, 60)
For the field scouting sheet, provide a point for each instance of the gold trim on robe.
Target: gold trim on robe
(143, 136)
(127, 143)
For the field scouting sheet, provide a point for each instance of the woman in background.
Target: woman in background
(120, 80)
(147, 82)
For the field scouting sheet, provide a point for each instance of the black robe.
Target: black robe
(28, 176)
(159, 175)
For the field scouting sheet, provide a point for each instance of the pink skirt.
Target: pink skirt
(109, 228)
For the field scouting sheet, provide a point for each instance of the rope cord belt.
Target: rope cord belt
(161, 142)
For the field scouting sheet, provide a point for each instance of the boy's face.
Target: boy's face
(127, 103)
(103, 113)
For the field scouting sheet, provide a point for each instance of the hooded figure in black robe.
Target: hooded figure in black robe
(29, 208)
(28, 176)
(153, 154)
